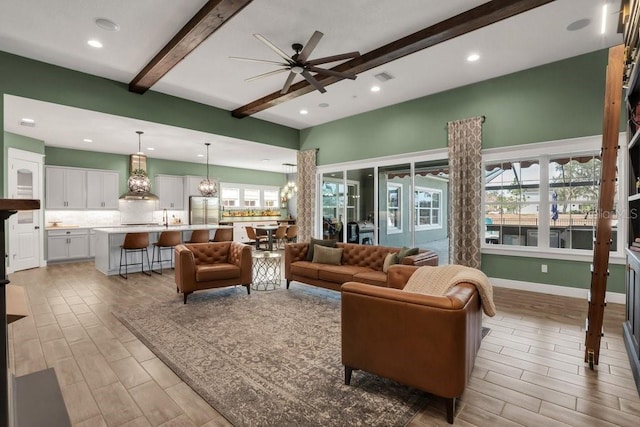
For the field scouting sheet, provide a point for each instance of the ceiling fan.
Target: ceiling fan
(299, 63)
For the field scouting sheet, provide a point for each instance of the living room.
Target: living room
(558, 103)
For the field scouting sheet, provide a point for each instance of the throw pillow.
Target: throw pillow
(405, 251)
(313, 242)
(326, 255)
(389, 260)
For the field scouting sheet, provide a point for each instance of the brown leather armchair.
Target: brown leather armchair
(212, 265)
(424, 341)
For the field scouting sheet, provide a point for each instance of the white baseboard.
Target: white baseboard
(565, 291)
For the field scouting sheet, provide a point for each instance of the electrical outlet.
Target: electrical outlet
(544, 268)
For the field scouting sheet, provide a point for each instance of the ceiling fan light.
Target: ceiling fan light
(296, 69)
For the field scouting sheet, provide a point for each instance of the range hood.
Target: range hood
(137, 174)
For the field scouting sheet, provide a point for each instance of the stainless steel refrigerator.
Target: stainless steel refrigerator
(203, 210)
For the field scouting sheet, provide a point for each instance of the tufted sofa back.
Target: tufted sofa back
(207, 253)
(365, 255)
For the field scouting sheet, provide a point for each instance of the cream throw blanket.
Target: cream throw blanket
(438, 280)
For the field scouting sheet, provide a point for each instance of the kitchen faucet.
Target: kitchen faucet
(165, 218)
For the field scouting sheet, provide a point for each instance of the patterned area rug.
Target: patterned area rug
(269, 358)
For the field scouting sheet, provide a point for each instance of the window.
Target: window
(546, 199)
(230, 197)
(427, 203)
(394, 208)
(271, 198)
(251, 198)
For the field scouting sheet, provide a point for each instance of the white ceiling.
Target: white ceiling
(56, 31)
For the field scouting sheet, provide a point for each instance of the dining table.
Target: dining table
(270, 229)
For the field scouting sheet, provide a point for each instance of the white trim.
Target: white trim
(392, 229)
(419, 156)
(429, 226)
(585, 143)
(550, 253)
(565, 291)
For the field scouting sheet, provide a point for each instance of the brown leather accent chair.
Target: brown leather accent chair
(223, 235)
(166, 240)
(212, 265)
(424, 341)
(199, 236)
(134, 242)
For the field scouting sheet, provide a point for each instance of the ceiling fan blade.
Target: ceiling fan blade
(332, 73)
(333, 58)
(313, 81)
(258, 60)
(311, 44)
(287, 84)
(275, 48)
(270, 73)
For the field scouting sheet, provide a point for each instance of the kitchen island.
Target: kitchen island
(109, 239)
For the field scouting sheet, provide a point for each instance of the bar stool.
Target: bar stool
(134, 242)
(166, 240)
(223, 235)
(199, 236)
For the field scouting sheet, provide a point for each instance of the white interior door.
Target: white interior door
(25, 227)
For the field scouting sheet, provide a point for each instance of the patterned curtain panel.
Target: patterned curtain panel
(465, 187)
(306, 194)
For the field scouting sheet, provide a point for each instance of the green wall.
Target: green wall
(560, 100)
(33, 79)
(92, 160)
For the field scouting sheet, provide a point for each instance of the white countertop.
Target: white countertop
(158, 228)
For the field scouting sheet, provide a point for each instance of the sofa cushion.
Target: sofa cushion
(324, 255)
(313, 242)
(208, 272)
(377, 278)
(405, 251)
(390, 259)
(340, 273)
(306, 269)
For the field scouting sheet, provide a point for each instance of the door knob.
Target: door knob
(37, 227)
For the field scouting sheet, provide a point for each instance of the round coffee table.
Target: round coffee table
(266, 271)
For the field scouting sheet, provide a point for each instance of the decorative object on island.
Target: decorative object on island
(290, 189)
(138, 183)
(207, 187)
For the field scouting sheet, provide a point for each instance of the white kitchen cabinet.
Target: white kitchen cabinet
(92, 243)
(170, 191)
(102, 189)
(65, 188)
(67, 244)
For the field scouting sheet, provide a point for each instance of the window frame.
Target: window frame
(393, 229)
(545, 151)
(416, 208)
(241, 199)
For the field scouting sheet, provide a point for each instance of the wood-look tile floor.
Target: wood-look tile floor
(530, 369)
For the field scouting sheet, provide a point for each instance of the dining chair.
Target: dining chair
(280, 235)
(292, 234)
(255, 239)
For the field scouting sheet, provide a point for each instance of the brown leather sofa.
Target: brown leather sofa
(360, 263)
(424, 341)
(212, 265)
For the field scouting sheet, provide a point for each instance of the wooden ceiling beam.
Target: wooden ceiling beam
(473, 19)
(204, 23)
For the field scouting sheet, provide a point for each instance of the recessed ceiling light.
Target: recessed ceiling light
(303, 112)
(25, 121)
(87, 140)
(94, 43)
(107, 24)
(265, 160)
(323, 105)
(473, 57)
(150, 148)
(200, 155)
(375, 88)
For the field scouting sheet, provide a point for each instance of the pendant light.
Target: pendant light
(139, 181)
(290, 189)
(207, 187)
